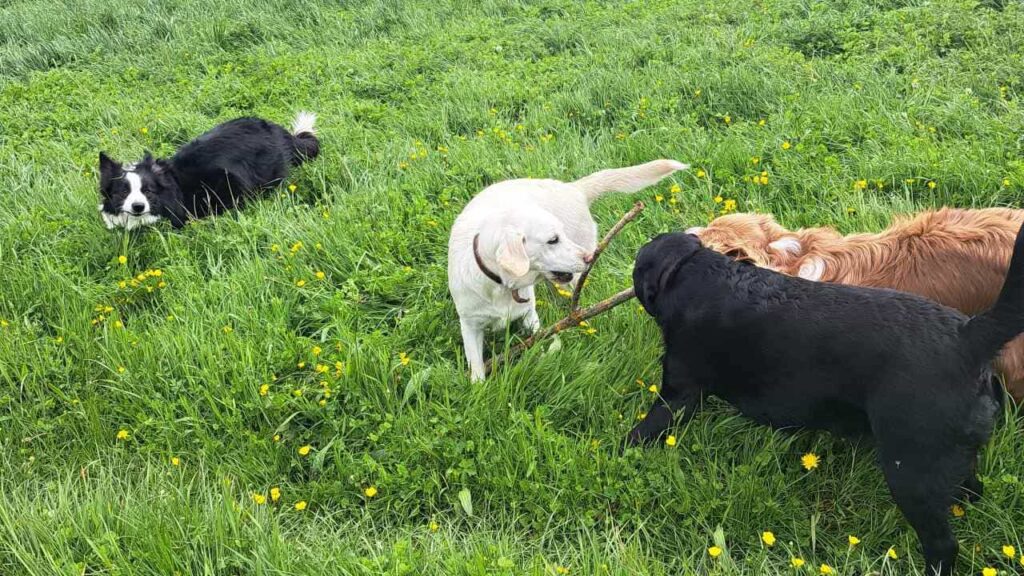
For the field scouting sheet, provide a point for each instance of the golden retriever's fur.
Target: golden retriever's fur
(953, 256)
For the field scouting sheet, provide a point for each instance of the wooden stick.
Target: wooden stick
(573, 319)
(574, 303)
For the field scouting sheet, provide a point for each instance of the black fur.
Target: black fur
(215, 172)
(856, 361)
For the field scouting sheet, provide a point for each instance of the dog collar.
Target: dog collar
(490, 273)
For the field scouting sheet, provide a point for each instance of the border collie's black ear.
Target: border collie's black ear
(109, 169)
(161, 166)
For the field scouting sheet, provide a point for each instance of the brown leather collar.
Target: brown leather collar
(490, 273)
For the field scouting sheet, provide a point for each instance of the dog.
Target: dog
(213, 173)
(788, 352)
(953, 256)
(515, 232)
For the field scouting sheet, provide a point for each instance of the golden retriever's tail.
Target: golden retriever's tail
(628, 179)
(986, 333)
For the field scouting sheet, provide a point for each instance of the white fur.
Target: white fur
(127, 221)
(812, 269)
(788, 244)
(515, 219)
(696, 230)
(135, 195)
(304, 123)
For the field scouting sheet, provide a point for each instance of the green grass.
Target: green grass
(421, 105)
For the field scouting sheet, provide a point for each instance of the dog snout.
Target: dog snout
(588, 257)
(138, 207)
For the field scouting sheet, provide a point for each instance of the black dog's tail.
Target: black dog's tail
(304, 138)
(985, 334)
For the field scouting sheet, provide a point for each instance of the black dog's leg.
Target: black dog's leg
(922, 480)
(972, 489)
(677, 392)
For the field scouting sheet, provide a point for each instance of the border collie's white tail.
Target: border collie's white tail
(629, 179)
(304, 123)
(304, 138)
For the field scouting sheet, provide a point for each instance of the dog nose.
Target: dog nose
(588, 258)
(138, 207)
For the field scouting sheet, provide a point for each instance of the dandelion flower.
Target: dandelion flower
(264, 389)
(891, 553)
(300, 283)
(304, 450)
(853, 540)
(670, 441)
(258, 498)
(786, 145)
(122, 434)
(292, 187)
(727, 119)
(1009, 551)
(1006, 182)
(561, 570)
(275, 494)
(658, 197)
(277, 437)
(714, 551)
(718, 199)
(320, 275)
(653, 389)
(768, 538)
(957, 510)
(122, 260)
(796, 562)
(121, 369)
(370, 491)
(175, 461)
(434, 526)
(228, 329)
(932, 184)
(675, 189)
(403, 358)
(810, 461)
(826, 569)
(989, 571)
(300, 505)
(144, 130)
(701, 173)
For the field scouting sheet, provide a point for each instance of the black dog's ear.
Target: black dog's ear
(147, 157)
(109, 169)
(161, 166)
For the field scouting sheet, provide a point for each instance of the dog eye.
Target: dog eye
(553, 240)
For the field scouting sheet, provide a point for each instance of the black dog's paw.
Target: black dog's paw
(971, 490)
(652, 428)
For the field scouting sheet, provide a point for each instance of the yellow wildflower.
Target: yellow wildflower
(144, 130)
(370, 491)
(701, 173)
(434, 527)
(826, 569)
(932, 184)
(304, 450)
(122, 260)
(264, 389)
(768, 538)
(277, 437)
(122, 434)
(658, 197)
(320, 275)
(404, 358)
(675, 189)
(786, 145)
(810, 461)
(175, 461)
(121, 369)
(300, 505)
(670, 441)
(727, 119)
(714, 551)
(853, 540)
(292, 187)
(118, 324)
(718, 199)
(317, 350)
(227, 329)
(891, 553)
(1009, 551)
(258, 498)
(300, 283)
(989, 571)
(561, 570)
(1006, 182)
(796, 562)
(275, 494)
(860, 184)
(653, 389)
(957, 510)
(301, 365)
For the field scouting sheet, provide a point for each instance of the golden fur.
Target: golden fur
(953, 256)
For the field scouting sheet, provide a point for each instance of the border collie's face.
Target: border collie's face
(134, 195)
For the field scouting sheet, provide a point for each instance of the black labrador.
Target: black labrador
(909, 372)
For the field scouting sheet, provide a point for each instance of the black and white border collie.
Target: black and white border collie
(213, 173)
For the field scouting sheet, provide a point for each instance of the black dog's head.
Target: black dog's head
(657, 263)
(134, 195)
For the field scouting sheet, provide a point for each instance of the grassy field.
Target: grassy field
(154, 408)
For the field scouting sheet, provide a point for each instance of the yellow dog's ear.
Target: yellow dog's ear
(511, 255)
(787, 244)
